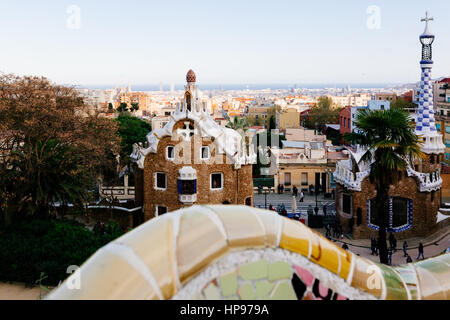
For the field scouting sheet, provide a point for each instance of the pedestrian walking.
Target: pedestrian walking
(328, 233)
(295, 191)
(390, 256)
(282, 188)
(391, 240)
(405, 247)
(373, 246)
(302, 196)
(420, 248)
(311, 189)
(324, 209)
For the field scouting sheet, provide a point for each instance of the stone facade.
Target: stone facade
(425, 206)
(189, 130)
(237, 187)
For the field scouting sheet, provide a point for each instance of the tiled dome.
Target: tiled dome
(190, 77)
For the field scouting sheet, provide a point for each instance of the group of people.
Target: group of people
(281, 209)
(374, 245)
(337, 231)
(311, 189)
(280, 188)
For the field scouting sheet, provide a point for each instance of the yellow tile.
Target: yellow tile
(106, 276)
(159, 258)
(333, 258)
(199, 243)
(271, 221)
(296, 237)
(241, 225)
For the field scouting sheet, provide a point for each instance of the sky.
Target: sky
(111, 42)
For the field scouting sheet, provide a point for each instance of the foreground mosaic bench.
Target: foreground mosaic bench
(239, 252)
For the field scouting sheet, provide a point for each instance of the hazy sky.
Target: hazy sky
(225, 42)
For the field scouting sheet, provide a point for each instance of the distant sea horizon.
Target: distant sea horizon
(273, 86)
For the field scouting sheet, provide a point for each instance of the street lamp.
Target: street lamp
(265, 196)
(316, 209)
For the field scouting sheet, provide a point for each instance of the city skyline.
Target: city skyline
(111, 43)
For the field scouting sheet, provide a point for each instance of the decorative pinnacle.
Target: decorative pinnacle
(426, 20)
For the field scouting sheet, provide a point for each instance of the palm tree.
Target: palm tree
(238, 123)
(391, 143)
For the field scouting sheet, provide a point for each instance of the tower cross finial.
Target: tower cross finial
(427, 18)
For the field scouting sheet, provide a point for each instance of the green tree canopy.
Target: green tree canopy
(53, 146)
(238, 123)
(391, 143)
(132, 130)
(123, 107)
(322, 113)
(134, 106)
(402, 104)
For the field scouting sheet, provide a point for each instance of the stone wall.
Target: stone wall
(424, 208)
(445, 184)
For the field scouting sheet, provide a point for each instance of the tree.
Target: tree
(52, 146)
(402, 104)
(391, 143)
(123, 107)
(131, 130)
(238, 123)
(323, 113)
(270, 121)
(134, 107)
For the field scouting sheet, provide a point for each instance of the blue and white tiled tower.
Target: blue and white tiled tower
(426, 125)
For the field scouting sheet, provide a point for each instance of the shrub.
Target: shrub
(51, 246)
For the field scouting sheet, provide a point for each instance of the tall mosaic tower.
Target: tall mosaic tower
(426, 125)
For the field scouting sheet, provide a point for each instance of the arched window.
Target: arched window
(400, 214)
(188, 101)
